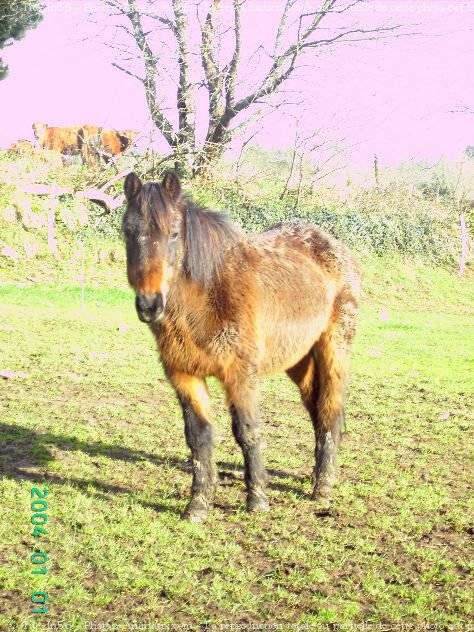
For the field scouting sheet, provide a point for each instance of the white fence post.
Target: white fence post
(463, 244)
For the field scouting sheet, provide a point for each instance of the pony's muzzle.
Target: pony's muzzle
(149, 307)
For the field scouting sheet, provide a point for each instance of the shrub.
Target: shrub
(370, 220)
(409, 231)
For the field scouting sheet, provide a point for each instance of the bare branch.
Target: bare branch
(281, 27)
(115, 5)
(214, 77)
(185, 98)
(234, 64)
(462, 110)
(150, 61)
(280, 71)
(128, 72)
(256, 116)
(115, 179)
(242, 149)
(208, 33)
(344, 36)
(168, 23)
(101, 198)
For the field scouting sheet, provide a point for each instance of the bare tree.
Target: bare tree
(199, 45)
(313, 157)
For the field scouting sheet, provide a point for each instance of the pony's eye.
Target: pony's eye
(173, 236)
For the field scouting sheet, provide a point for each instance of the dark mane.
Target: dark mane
(208, 233)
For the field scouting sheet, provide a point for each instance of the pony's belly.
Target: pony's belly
(295, 308)
(287, 343)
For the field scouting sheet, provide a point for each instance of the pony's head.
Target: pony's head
(153, 230)
(39, 130)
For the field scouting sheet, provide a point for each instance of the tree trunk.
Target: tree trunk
(213, 149)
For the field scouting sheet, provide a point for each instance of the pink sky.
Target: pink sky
(390, 97)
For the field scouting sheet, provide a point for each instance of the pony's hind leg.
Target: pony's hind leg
(305, 375)
(193, 397)
(321, 378)
(245, 413)
(332, 362)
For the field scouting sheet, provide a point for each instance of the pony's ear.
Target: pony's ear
(132, 186)
(171, 184)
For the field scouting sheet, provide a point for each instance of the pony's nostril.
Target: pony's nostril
(145, 302)
(149, 305)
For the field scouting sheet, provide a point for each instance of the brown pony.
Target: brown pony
(235, 306)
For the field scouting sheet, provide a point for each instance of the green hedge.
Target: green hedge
(420, 235)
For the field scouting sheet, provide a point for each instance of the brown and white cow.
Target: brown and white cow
(96, 142)
(62, 139)
(91, 141)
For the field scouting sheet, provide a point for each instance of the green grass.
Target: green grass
(95, 422)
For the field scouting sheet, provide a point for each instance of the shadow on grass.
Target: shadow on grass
(24, 455)
(21, 450)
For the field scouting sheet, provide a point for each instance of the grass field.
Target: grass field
(92, 418)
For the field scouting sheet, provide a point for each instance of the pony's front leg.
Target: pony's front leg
(194, 400)
(244, 409)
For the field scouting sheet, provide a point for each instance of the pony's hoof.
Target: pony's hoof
(257, 503)
(322, 496)
(195, 512)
